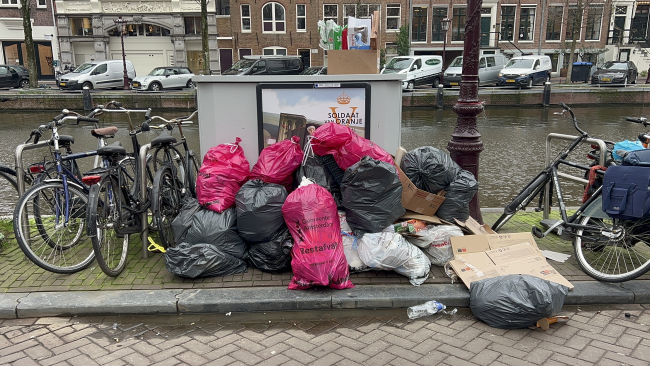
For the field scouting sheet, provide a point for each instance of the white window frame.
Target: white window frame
(336, 19)
(250, 22)
(561, 23)
(273, 21)
(602, 19)
(426, 29)
(43, 6)
(399, 16)
(9, 4)
(528, 6)
(388, 46)
(275, 50)
(301, 17)
(515, 23)
(568, 9)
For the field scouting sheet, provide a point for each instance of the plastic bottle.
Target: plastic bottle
(428, 308)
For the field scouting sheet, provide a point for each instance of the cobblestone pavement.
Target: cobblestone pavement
(601, 336)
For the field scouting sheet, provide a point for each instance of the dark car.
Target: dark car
(615, 72)
(13, 76)
(266, 65)
(315, 70)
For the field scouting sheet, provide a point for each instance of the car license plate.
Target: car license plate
(453, 83)
(62, 84)
(137, 85)
(510, 80)
(605, 79)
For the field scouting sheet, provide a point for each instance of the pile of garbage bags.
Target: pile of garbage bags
(322, 213)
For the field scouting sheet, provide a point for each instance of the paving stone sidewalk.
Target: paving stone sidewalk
(18, 274)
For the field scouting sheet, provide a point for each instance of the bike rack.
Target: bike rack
(20, 169)
(558, 136)
(144, 233)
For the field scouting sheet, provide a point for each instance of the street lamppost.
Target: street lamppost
(120, 24)
(444, 25)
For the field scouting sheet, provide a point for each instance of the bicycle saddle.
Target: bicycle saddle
(104, 132)
(112, 149)
(163, 138)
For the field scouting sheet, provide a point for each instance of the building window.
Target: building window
(391, 49)
(301, 17)
(246, 18)
(619, 24)
(526, 24)
(81, 27)
(594, 23)
(41, 4)
(134, 30)
(419, 28)
(507, 23)
(393, 17)
(223, 7)
(437, 34)
(10, 3)
(573, 25)
(273, 18)
(458, 24)
(639, 28)
(274, 51)
(358, 11)
(192, 25)
(331, 11)
(554, 23)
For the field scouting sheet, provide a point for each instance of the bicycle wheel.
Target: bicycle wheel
(522, 200)
(619, 252)
(166, 203)
(53, 244)
(129, 172)
(171, 156)
(105, 206)
(192, 170)
(8, 189)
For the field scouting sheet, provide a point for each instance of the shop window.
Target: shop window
(393, 17)
(142, 30)
(81, 27)
(554, 23)
(192, 25)
(42, 4)
(458, 24)
(437, 34)
(331, 11)
(223, 7)
(273, 18)
(507, 23)
(301, 17)
(246, 18)
(594, 23)
(419, 28)
(526, 24)
(358, 11)
(274, 51)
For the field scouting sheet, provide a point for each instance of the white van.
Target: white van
(489, 67)
(98, 75)
(525, 71)
(419, 70)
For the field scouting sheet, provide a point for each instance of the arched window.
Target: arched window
(273, 19)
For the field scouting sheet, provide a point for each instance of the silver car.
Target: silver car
(164, 78)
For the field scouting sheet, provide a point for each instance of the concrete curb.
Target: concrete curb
(201, 301)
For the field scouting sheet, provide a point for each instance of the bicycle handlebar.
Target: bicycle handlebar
(181, 120)
(573, 118)
(641, 120)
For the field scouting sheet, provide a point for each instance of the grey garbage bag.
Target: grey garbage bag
(459, 193)
(218, 229)
(515, 301)
(372, 196)
(273, 255)
(201, 260)
(259, 210)
(430, 169)
(183, 221)
(313, 168)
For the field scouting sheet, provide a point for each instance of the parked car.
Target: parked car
(615, 72)
(419, 70)
(489, 67)
(266, 65)
(315, 70)
(14, 76)
(164, 78)
(104, 74)
(526, 71)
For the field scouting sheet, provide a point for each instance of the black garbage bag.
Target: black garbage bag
(273, 255)
(183, 221)
(218, 229)
(314, 169)
(430, 169)
(457, 197)
(372, 196)
(259, 210)
(201, 260)
(515, 301)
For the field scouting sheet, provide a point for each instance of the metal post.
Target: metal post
(440, 99)
(444, 24)
(144, 231)
(121, 26)
(546, 98)
(88, 102)
(466, 145)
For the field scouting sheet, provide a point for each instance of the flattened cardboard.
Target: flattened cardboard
(417, 200)
(513, 253)
(503, 240)
(346, 62)
(469, 244)
(473, 227)
(474, 267)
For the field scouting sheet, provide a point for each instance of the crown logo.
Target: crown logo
(343, 99)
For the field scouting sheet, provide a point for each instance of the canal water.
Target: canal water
(514, 140)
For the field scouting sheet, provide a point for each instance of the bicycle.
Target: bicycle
(607, 249)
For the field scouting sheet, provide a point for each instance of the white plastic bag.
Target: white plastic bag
(350, 246)
(435, 240)
(417, 267)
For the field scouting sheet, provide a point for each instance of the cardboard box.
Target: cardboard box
(346, 62)
(473, 227)
(417, 200)
(477, 257)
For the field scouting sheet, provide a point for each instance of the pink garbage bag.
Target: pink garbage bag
(224, 170)
(317, 254)
(278, 162)
(345, 145)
